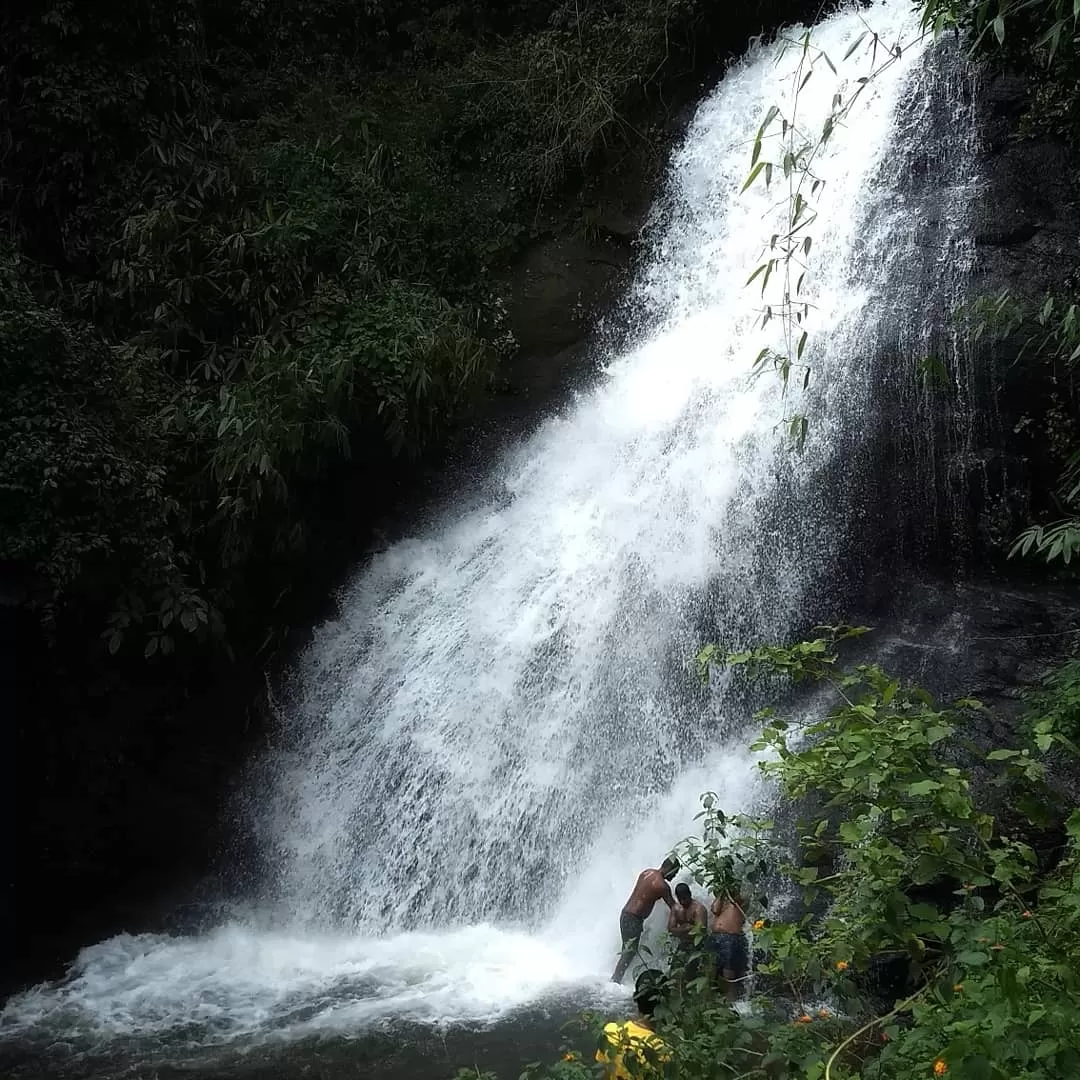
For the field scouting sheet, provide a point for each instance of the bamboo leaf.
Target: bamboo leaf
(757, 273)
(755, 172)
(768, 274)
(859, 40)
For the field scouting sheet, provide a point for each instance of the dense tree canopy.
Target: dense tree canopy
(266, 236)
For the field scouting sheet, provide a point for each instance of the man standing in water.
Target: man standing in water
(727, 941)
(687, 914)
(651, 885)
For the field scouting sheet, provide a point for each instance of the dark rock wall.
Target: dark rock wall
(965, 460)
(1027, 237)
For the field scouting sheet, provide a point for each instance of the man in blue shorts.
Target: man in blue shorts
(727, 941)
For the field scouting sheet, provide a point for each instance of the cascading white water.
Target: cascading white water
(501, 726)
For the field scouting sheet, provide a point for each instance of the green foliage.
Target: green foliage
(286, 223)
(896, 864)
(1049, 329)
(1046, 25)
(85, 506)
(1054, 709)
(553, 103)
(1059, 540)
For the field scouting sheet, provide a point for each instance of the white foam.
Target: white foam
(243, 984)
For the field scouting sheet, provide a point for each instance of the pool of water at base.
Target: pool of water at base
(395, 1050)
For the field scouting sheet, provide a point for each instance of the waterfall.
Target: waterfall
(501, 726)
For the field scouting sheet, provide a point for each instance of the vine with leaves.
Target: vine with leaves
(798, 150)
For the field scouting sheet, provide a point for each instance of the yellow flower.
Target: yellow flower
(940, 1068)
(570, 1057)
(957, 987)
(759, 924)
(841, 965)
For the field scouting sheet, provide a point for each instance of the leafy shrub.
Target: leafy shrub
(896, 866)
(1054, 709)
(85, 510)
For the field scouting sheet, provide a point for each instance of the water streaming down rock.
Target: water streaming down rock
(501, 726)
(496, 693)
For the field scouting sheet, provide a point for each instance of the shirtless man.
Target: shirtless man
(684, 916)
(651, 885)
(683, 920)
(727, 941)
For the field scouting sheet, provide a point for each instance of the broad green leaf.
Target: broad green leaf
(923, 787)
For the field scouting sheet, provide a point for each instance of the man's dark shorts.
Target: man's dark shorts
(631, 928)
(731, 953)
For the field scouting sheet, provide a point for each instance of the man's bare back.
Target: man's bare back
(649, 887)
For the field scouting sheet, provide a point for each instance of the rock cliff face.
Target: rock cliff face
(1026, 230)
(1028, 242)
(973, 459)
(564, 281)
